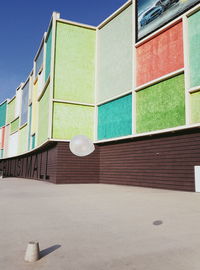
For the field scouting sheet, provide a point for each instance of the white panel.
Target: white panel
(13, 145)
(40, 82)
(18, 102)
(197, 178)
(30, 88)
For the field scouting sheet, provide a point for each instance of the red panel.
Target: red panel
(160, 55)
(2, 139)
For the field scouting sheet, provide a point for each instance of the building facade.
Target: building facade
(137, 99)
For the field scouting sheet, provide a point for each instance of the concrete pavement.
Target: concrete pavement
(98, 227)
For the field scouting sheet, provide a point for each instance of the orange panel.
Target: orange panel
(160, 55)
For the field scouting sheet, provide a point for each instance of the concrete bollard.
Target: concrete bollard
(32, 252)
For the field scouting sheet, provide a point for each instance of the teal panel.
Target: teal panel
(115, 56)
(48, 55)
(194, 49)
(115, 118)
(33, 142)
(29, 128)
(3, 108)
(161, 106)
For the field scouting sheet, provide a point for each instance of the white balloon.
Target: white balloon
(81, 146)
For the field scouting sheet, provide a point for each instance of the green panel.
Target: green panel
(115, 118)
(43, 118)
(48, 55)
(161, 106)
(14, 125)
(23, 140)
(11, 111)
(114, 70)
(194, 49)
(3, 110)
(75, 63)
(29, 128)
(195, 107)
(70, 120)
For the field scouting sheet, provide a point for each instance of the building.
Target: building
(137, 97)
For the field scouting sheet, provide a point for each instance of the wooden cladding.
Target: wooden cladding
(165, 161)
(162, 161)
(54, 163)
(39, 165)
(73, 169)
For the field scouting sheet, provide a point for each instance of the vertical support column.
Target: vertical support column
(53, 47)
(96, 90)
(134, 68)
(186, 69)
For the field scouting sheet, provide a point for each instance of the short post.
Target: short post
(1, 174)
(32, 252)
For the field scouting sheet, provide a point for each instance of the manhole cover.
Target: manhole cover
(158, 222)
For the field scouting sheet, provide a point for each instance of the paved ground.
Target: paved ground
(98, 227)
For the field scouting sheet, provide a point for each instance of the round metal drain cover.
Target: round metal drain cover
(158, 222)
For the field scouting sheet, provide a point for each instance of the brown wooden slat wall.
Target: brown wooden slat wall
(165, 161)
(38, 165)
(73, 169)
(162, 161)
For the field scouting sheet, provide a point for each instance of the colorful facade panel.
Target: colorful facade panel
(33, 143)
(114, 51)
(23, 140)
(18, 102)
(14, 125)
(161, 106)
(40, 82)
(48, 55)
(39, 61)
(195, 107)
(29, 127)
(2, 137)
(13, 145)
(24, 104)
(1, 153)
(3, 110)
(194, 49)
(34, 109)
(115, 118)
(161, 55)
(11, 110)
(75, 63)
(70, 120)
(43, 119)
(6, 140)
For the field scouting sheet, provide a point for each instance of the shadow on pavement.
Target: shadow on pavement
(48, 250)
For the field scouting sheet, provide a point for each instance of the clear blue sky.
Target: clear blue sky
(23, 24)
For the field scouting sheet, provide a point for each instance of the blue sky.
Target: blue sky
(23, 24)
